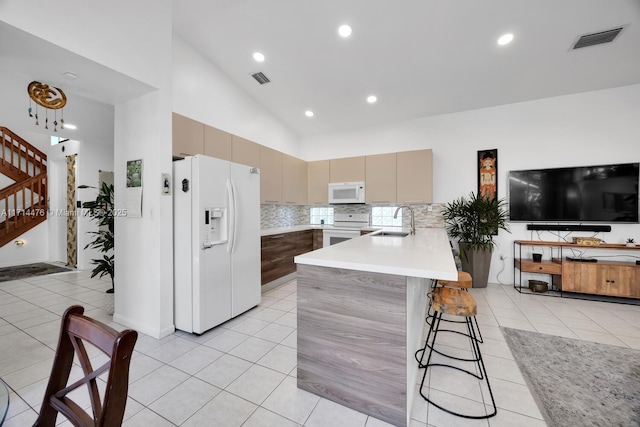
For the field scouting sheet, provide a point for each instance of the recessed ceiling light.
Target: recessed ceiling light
(372, 99)
(344, 30)
(505, 39)
(308, 113)
(70, 126)
(258, 57)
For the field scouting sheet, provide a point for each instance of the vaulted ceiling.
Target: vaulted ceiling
(419, 57)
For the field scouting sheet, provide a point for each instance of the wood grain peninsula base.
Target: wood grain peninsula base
(357, 335)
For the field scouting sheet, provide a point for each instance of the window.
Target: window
(383, 216)
(320, 215)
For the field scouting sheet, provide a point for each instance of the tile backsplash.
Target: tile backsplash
(283, 215)
(286, 215)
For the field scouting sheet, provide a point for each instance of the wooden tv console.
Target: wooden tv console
(608, 278)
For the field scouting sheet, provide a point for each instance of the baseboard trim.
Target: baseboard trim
(281, 281)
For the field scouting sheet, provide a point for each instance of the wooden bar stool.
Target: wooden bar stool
(464, 282)
(455, 302)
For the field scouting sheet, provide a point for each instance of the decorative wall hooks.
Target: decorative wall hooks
(51, 98)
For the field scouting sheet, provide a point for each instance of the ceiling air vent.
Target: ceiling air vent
(597, 38)
(260, 78)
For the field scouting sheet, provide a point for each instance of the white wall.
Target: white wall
(135, 39)
(119, 34)
(589, 128)
(202, 92)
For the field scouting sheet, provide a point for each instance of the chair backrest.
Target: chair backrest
(75, 331)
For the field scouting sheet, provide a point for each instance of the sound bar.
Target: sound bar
(568, 227)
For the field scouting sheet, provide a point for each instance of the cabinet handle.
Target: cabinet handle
(272, 201)
(277, 237)
(291, 203)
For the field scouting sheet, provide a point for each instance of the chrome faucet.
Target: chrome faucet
(413, 221)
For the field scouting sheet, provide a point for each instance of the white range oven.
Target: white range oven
(345, 227)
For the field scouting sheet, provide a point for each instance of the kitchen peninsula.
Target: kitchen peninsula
(361, 310)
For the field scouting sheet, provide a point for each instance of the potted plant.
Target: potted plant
(101, 211)
(631, 242)
(474, 222)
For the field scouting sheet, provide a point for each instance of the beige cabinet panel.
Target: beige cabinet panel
(270, 176)
(318, 182)
(245, 152)
(414, 176)
(348, 169)
(294, 180)
(217, 143)
(380, 182)
(188, 136)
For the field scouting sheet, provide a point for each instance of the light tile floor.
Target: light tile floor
(243, 372)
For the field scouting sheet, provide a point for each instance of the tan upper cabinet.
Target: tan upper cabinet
(294, 180)
(318, 182)
(414, 176)
(217, 143)
(348, 169)
(188, 136)
(245, 152)
(380, 182)
(270, 176)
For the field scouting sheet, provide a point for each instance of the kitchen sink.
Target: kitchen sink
(391, 234)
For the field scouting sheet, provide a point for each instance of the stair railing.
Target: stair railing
(19, 154)
(23, 200)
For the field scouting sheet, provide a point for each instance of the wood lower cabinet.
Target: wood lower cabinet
(278, 251)
(601, 278)
(317, 238)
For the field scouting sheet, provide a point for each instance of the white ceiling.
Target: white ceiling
(420, 57)
(96, 89)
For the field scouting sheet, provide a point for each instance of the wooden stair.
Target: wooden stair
(23, 204)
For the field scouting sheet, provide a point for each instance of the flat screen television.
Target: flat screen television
(605, 193)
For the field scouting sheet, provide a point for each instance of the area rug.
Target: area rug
(579, 383)
(30, 270)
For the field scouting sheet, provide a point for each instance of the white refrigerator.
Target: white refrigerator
(216, 226)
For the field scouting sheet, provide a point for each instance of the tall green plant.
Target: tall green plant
(476, 220)
(101, 211)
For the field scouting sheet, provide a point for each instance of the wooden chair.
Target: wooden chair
(76, 329)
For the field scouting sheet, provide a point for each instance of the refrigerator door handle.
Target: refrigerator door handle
(232, 215)
(234, 228)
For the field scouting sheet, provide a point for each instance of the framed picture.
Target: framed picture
(134, 173)
(488, 173)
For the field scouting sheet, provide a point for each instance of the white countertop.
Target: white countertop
(426, 254)
(291, 229)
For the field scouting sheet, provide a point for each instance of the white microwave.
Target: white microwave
(346, 192)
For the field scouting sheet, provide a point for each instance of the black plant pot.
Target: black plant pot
(476, 263)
